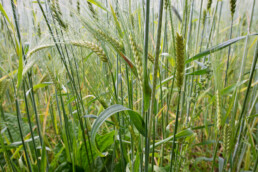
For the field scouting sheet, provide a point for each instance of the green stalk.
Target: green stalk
(25, 98)
(241, 118)
(232, 9)
(215, 153)
(229, 49)
(155, 71)
(71, 79)
(30, 125)
(145, 76)
(175, 131)
(255, 165)
(220, 12)
(116, 97)
(212, 26)
(237, 89)
(58, 109)
(87, 122)
(32, 95)
(116, 89)
(144, 10)
(145, 52)
(51, 110)
(185, 13)
(130, 105)
(187, 49)
(6, 155)
(3, 116)
(186, 34)
(199, 25)
(20, 128)
(77, 75)
(118, 117)
(165, 49)
(66, 127)
(180, 70)
(174, 53)
(153, 142)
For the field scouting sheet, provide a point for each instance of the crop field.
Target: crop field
(128, 85)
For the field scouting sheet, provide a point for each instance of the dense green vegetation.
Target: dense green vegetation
(128, 85)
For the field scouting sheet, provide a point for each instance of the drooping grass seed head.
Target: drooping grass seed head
(92, 10)
(57, 14)
(232, 7)
(209, 4)
(38, 30)
(166, 4)
(93, 47)
(132, 20)
(103, 103)
(118, 45)
(204, 17)
(78, 6)
(244, 21)
(58, 7)
(180, 61)
(98, 50)
(53, 78)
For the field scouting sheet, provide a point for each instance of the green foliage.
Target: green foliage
(76, 82)
(10, 121)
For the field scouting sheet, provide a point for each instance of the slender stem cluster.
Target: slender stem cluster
(180, 62)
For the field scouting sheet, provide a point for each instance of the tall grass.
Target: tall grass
(138, 85)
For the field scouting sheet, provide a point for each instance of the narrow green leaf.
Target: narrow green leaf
(41, 85)
(231, 88)
(98, 4)
(87, 57)
(217, 48)
(185, 133)
(253, 116)
(116, 22)
(43, 158)
(79, 44)
(165, 81)
(8, 75)
(199, 159)
(135, 117)
(147, 96)
(106, 140)
(221, 164)
(20, 69)
(36, 2)
(137, 163)
(4, 14)
(18, 143)
(208, 142)
(199, 72)
(201, 127)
